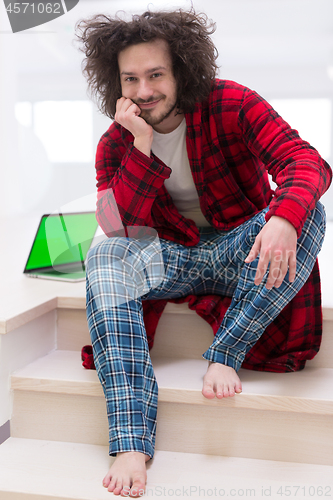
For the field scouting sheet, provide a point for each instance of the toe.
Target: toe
(219, 391)
(107, 480)
(208, 389)
(126, 487)
(238, 387)
(116, 487)
(112, 485)
(138, 488)
(208, 392)
(226, 391)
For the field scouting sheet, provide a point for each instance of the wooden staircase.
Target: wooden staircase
(274, 440)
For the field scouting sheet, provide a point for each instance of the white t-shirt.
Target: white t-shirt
(171, 149)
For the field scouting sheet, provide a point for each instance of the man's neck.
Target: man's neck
(169, 124)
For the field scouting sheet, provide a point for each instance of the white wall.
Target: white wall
(281, 48)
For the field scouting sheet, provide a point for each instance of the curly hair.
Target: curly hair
(187, 33)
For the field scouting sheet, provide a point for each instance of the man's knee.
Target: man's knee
(107, 251)
(129, 255)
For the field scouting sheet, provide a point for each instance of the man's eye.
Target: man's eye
(156, 75)
(130, 79)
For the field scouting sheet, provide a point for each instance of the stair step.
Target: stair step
(285, 417)
(46, 470)
(180, 381)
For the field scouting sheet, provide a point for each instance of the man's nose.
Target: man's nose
(145, 90)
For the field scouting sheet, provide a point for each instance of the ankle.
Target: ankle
(139, 455)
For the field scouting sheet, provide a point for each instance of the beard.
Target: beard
(148, 115)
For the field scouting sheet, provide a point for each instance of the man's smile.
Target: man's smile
(150, 104)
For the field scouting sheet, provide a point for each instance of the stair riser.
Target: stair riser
(196, 335)
(267, 435)
(246, 433)
(59, 417)
(72, 329)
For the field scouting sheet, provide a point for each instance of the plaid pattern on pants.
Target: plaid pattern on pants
(214, 266)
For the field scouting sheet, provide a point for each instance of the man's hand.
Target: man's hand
(128, 115)
(276, 244)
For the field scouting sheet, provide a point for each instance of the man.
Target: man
(187, 155)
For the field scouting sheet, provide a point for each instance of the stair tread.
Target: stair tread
(180, 380)
(53, 469)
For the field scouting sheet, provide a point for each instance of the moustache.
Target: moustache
(147, 101)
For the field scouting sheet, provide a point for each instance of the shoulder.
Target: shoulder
(227, 93)
(227, 86)
(234, 101)
(224, 102)
(224, 95)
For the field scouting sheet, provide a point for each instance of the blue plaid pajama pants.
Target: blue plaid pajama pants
(121, 272)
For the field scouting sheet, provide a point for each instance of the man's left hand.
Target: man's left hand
(276, 244)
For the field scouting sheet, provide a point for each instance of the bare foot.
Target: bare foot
(128, 475)
(222, 381)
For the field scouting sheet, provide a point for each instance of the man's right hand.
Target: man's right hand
(128, 115)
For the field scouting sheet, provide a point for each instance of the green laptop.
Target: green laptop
(60, 247)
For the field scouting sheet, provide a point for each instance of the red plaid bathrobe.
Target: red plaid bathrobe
(234, 139)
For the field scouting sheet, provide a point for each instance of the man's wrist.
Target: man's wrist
(143, 144)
